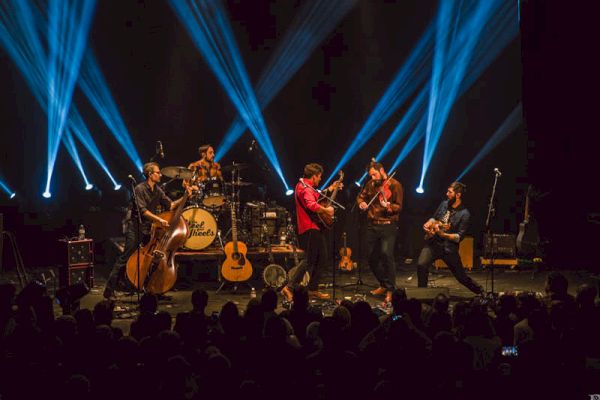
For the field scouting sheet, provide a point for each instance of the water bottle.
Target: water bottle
(81, 232)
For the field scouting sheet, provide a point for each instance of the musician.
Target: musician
(151, 200)
(444, 231)
(382, 229)
(310, 235)
(206, 166)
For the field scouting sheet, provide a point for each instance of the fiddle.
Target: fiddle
(346, 263)
(384, 194)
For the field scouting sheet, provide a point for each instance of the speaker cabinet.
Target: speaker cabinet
(79, 263)
(504, 245)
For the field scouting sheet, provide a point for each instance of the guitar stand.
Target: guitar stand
(236, 285)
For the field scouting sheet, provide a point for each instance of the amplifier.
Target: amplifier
(79, 263)
(504, 245)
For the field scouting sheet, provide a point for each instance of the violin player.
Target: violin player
(383, 212)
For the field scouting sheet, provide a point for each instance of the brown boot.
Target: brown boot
(319, 295)
(380, 291)
(287, 293)
(388, 296)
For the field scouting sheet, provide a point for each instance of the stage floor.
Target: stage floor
(505, 279)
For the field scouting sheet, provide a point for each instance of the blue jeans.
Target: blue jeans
(452, 259)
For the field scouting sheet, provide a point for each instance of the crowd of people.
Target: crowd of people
(438, 350)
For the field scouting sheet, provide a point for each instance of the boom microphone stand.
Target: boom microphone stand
(488, 230)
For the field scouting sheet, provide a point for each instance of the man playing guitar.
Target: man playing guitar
(443, 232)
(310, 234)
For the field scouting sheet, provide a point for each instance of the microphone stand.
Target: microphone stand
(491, 212)
(139, 235)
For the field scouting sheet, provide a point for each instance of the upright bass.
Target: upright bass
(157, 270)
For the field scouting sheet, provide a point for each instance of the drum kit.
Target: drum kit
(207, 211)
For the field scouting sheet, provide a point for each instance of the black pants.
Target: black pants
(117, 274)
(315, 258)
(380, 250)
(432, 252)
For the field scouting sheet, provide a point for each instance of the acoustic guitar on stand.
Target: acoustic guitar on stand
(236, 267)
(346, 263)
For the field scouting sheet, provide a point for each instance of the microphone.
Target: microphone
(161, 151)
(497, 172)
(131, 178)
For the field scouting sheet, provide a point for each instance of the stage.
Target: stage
(505, 280)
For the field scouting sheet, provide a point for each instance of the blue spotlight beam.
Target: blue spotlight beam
(461, 50)
(208, 26)
(69, 143)
(315, 20)
(10, 193)
(504, 130)
(411, 75)
(69, 22)
(94, 86)
(23, 44)
(495, 37)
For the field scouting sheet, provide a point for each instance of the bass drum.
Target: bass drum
(202, 228)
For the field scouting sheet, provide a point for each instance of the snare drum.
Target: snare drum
(214, 195)
(202, 228)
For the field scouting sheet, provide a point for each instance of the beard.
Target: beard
(451, 201)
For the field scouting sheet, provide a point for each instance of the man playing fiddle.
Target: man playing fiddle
(382, 214)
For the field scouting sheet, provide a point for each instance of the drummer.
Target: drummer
(206, 166)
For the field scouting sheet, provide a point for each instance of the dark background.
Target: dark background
(165, 91)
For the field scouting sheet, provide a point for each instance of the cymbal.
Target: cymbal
(234, 166)
(238, 183)
(177, 172)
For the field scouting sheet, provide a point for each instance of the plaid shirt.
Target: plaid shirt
(205, 170)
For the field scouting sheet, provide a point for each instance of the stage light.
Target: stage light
(46, 194)
(89, 186)
(117, 186)
(311, 25)
(209, 28)
(289, 192)
(6, 189)
(420, 190)
(357, 183)
(12, 196)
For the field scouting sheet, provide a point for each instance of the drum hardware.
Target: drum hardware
(238, 182)
(177, 172)
(273, 275)
(214, 195)
(234, 167)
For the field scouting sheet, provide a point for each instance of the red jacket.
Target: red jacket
(309, 198)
